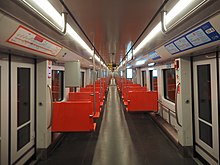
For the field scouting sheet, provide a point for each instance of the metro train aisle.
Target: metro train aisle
(121, 138)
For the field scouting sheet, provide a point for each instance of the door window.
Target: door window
(204, 92)
(23, 96)
(23, 106)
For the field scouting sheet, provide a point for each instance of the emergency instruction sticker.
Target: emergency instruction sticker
(172, 48)
(202, 35)
(154, 56)
(183, 44)
(28, 39)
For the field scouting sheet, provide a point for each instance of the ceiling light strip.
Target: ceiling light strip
(71, 15)
(47, 7)
(178, 8)
(148, 25)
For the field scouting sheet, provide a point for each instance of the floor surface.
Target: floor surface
(121, 138)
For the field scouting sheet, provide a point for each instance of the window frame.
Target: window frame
(152, 80)
(62, 70)
(165, 85)
(82, 81)
(144, 78)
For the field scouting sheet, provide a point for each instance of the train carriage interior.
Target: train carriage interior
(106, 82)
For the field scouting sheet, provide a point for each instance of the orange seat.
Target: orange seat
(142, 101)
(87, 96)
(72, 116)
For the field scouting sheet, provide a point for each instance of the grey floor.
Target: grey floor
(121, 138)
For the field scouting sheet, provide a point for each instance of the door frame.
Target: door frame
(200, 59)
(22, 156)
(218, 94)
(4, 157)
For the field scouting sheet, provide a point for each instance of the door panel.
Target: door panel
(22, 111)
(4, 109)
(206, 109)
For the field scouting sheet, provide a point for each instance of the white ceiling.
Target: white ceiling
(112, 24)
(109, 24)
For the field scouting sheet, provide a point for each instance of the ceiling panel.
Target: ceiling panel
(112, 24)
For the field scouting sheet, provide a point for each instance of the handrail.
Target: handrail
(64, 17)
(94, 94)
(55, 27)
(160, 102)
(51, 103)
(176, 109)
(100, 76)
(168, 109)
(163, 21)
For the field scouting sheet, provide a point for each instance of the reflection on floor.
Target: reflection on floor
(121, 138)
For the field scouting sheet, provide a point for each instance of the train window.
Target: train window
(144, 78)
(169, 84)
(57, 85)
(82, 81)
(153, 80)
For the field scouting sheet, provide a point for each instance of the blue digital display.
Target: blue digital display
(154, 56)
(204, 34)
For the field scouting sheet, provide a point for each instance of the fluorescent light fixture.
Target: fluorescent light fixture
(78, 39)
(140, 62)
(48, 9)
(151, 68)
(151, 35)
(151, 64)
(53, 14)
(97, 58)
(179, 7)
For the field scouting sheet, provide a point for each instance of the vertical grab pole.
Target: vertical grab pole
(100, 79)
(94, 94)
(122, 79)
(126, 62)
